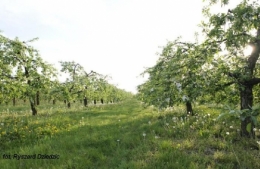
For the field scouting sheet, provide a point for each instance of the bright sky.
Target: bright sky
(112, 37)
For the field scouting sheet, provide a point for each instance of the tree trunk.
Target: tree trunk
(14, 101)
(246, 102)
(189, 108)
(85, 102)
(53, 101)
(95, 102)
(65, 101)
(68, 105)
(33, 108)
(171, 102)
(37, 98)
(102, 101)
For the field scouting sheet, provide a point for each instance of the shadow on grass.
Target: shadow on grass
(114, 137)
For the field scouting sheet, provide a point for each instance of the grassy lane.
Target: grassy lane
(124, 135)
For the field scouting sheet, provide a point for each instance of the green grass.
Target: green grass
(123, 135)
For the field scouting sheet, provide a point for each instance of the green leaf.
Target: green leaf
(248, 127)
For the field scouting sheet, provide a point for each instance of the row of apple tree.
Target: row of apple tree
(215, 69)
(24, 75)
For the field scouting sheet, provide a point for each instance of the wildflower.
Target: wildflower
(144, 134)
(118, 140)
(2, 124)
(173, 127)
(231, 127)
(254, 129)
(209, 115)
(119, 120)
(227, 133)
(167, 124)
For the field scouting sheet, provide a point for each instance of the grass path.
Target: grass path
(126, 135)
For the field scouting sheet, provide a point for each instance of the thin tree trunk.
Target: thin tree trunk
(37, 98)
(85, 101)
(14, 101)
(95, 102)
(53, 101)
(33, 108)
(102, 101)
(68, 105)
(246, 102)
(189, 108)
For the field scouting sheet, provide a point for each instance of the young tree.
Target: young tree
(232, 32)
(22, 62)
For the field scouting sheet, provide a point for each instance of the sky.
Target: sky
(119, 38)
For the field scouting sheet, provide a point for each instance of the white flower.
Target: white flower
(2, 124)
(167, 124)
(119, 120)
(173, 127)
(208, 114)
(144, 134)
(118, 140)
(231, 127)
(227, 133)
(254, 129)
